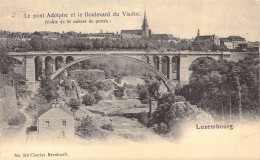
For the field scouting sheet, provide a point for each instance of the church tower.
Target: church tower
(145, 27)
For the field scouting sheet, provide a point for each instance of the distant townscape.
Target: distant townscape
(136, 39)
(131, 85)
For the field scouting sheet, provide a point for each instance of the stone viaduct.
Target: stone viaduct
(53, 63)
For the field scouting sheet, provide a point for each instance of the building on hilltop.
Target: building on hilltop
(145, 32)
(226, 42)
(206, 38)
(236, 40)
(55, 124)
(165, 38)
(254, 45)
(233, 42)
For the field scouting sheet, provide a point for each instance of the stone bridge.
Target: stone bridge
(172, 67)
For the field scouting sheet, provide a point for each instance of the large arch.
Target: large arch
(38, 67)
(166, 82)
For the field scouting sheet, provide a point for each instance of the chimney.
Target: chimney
(55, 105)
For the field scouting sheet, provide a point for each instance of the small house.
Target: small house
(55, 124)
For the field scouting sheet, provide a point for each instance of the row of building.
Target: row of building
(144, 32)
(231, 42)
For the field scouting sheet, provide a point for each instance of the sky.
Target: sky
(181, 18)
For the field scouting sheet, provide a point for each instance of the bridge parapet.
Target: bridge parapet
(55, 53)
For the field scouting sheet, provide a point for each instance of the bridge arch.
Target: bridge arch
(38, 67)
(165, 66)
(201, 60)
(145, 59)
(175, 67)
(59, 62)
(49, 65)
(156, 62)
(166, 82)
(69, 59)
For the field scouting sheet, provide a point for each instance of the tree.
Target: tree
(86, 128)
(225, 88)
(24, 46)
(37, 43)
(119, 78)
(88, 99)
(49, 89)
(98, 97)
(170, 117)
(74, 104)
(149, 91)
(6, 62)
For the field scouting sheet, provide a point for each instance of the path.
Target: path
(28, 121)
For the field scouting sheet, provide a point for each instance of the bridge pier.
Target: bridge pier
(43, 67)
(184, 69)
(30, 68)
(160, 63)
(170, 67)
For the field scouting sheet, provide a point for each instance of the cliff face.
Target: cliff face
(8, 103)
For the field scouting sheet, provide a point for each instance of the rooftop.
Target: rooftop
(56, 113)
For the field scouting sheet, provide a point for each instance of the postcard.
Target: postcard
(129, 80)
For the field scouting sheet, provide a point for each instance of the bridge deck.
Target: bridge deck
(115, 53)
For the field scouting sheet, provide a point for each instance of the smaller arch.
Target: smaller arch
(156, 62)
(49, 65)
(166, 66)
(175, 68)
(145, 59)
(38, 67)
(69, 59)
(59, 62)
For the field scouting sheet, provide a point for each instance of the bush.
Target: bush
(98, 97)
(179, 99)
(107, 127)
(88, 100)
(105, 85)
(86, 128)
(119, 92)
(74, 104)
(119, 79)
(161, 128)
(174, 116)
(19, 119)
(143, 118)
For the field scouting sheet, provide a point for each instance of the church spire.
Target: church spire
(145, 24)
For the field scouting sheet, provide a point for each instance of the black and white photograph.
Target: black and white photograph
(121, 79)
